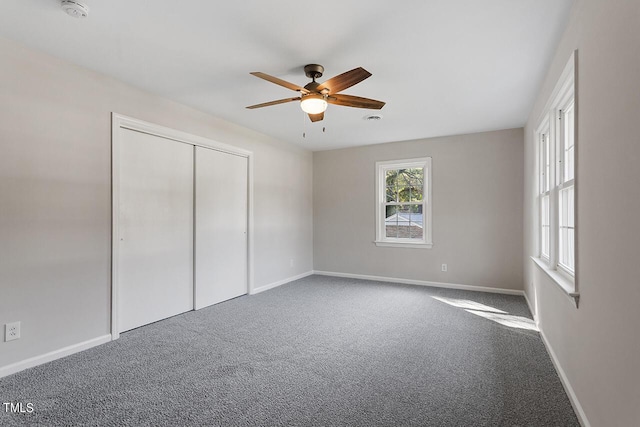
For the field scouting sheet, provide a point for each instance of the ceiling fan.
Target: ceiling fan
(315, 96)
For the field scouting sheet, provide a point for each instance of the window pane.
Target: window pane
(566, 246)
(547, 167)
(403, 193)
(391, 221)
(544, 226)
(391, 179)
(569, 168)
(392, 194)
(404, 216)
(415, 176)
(568, 155)
(544, 163)
(416, 222)
(416, 193)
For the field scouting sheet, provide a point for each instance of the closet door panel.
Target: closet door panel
(220, 226)
(155, 265)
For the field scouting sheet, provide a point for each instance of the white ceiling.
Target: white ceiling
(443, 67)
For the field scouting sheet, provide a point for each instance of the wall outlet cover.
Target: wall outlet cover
(11, 331)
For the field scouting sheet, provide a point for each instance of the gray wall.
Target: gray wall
(477, 208)
(55, 196)
(598, 344)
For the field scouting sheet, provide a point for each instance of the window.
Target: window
(556, 144)
(403, 203)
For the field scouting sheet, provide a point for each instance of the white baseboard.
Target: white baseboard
(422, 283)
(52, 355)
(577, 407)
(279, 283)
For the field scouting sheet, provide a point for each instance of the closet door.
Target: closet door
(220, 226)
(155, 251)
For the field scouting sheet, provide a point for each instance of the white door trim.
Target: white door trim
(118, 122)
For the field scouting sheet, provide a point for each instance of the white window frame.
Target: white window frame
(551, 126)
(381, 169)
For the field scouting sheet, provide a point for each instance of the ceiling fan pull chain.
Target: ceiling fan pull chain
(304, 126)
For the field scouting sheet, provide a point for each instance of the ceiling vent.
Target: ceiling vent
(75, 9)
(372, 117)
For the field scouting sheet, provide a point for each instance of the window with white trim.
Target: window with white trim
(403, 203)
(556, 142)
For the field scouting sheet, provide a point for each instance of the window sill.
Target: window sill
(403, 245)
(567, 286)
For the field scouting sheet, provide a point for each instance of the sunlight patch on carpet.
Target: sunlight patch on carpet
(468, 304)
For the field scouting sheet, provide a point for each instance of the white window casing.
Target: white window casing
(403, 211)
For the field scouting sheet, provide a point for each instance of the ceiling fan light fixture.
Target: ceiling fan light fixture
(313, 104)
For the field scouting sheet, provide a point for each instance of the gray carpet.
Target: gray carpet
(320, 351)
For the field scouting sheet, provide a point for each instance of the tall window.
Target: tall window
(556, 144)
(403, 212)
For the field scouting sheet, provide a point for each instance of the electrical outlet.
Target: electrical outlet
(444, 267)
(12, 331)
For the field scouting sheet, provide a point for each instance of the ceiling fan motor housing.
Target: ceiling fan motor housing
(313, 71)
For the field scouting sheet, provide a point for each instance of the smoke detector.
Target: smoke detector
(75, 8)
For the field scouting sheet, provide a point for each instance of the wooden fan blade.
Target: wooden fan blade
(345, 80)
(280, 82)
(279, 101)
(355, 101)
(316, 117)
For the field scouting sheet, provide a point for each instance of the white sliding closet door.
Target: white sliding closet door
(155, 248)
(221, 226)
